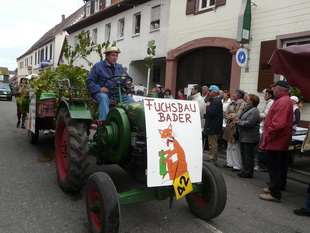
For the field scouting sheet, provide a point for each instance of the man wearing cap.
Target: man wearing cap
(96, 79)
(213, 121)
(276, 139)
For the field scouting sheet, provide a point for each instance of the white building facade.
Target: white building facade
(131, 26)
(203, 33)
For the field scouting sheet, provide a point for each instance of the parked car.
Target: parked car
(5, 91)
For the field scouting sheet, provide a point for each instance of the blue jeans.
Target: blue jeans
(104, 103)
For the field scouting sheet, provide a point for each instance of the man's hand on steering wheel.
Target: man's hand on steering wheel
(128, 84)
(104, 90)
(113, 82)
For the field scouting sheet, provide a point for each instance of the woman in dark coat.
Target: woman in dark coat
(248, 127)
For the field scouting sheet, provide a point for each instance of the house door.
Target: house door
(206, 66)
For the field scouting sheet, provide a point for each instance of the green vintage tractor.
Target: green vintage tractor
(120, 140)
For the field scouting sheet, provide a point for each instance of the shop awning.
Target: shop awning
(293, 63)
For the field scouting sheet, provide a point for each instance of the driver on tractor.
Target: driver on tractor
(101, 88)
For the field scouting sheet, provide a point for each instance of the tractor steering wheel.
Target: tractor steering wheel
(117, 81)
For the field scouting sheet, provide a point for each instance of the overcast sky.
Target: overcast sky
(23, 22)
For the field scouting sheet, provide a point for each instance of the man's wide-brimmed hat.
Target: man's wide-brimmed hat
(112, 49)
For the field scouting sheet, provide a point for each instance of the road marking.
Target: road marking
(208, 226)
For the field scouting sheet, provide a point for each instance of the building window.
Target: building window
(296, 42)
(31, 60)
(35, 58)
(42, 55)
(156, 74)
(87, 10)
(51, 51)
(136, 23)
(121, 27)
(97, 5)
(94, 35)
(194, 6)
(206, 4)
(46, 48)
(108, 32)
(155, 18)
(107, 3)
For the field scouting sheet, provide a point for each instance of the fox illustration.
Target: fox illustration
(175, 159)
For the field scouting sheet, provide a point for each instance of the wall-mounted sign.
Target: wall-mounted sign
(244, 22)
(242, 56)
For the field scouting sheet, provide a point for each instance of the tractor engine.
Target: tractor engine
(122, 138)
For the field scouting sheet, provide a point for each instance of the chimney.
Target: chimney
(63, 18)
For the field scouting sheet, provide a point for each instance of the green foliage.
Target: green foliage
(3, 72)
(151, 49)
(149, 62)
(296, 92)
(83, 48)
(48, 82)
(48, 79)
(23, 102)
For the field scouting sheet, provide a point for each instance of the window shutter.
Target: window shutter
(265, 73)
(190, 7)
(220, 2)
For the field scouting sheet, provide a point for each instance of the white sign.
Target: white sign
(242, 57)
(32, 112)
(174, 141)
(1, 77)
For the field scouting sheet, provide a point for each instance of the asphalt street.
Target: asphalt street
(31, 200)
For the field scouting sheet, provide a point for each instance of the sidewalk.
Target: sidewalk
(299, 171)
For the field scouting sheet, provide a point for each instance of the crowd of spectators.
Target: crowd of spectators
(249, 131)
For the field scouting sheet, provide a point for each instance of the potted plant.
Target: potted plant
(296, 92)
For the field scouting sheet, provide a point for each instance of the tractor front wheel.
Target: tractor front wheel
(71, 144)
(211, 201)
(102, 204)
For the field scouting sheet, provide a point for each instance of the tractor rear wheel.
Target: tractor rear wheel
(211, 201)
(102, 204)
(71, 144)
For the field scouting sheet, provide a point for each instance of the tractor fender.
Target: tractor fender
(77, 109)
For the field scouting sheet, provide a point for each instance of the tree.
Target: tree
(3, 72)
(151, 47)
(83, 48)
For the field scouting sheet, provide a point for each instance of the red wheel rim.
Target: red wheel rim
(62, 150)
(201, 199)
(94, 202)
